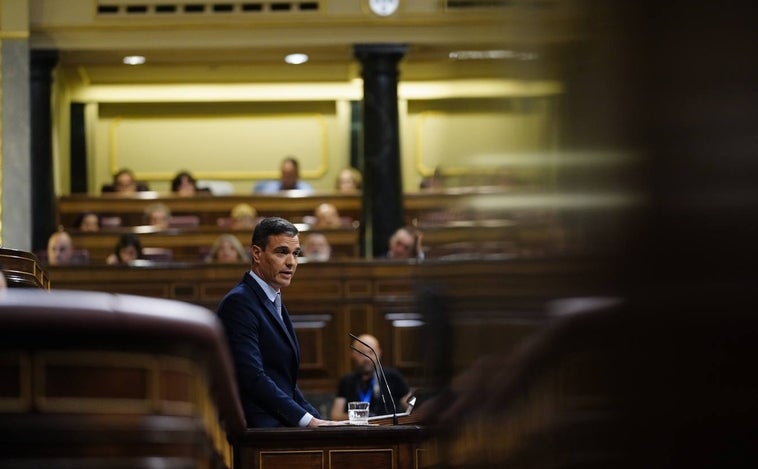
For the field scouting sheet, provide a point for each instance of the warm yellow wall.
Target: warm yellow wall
(240, 133)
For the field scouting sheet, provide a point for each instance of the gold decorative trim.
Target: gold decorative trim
(4, 34)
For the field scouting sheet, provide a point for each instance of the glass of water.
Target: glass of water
(357, 412)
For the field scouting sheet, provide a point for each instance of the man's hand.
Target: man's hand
(322, 423)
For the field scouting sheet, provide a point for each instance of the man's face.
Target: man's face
(289, 175)
(125, 183)
(60, 250)
(401, 245)
(361, 363)
(276, 264)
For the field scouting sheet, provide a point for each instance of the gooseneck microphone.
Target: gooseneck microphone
(381, 370)
(376, 373)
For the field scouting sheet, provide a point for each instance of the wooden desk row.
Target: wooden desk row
(458, 204)
(192, 244)
(492, 303)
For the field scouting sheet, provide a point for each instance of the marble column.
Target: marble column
(382, 201)
(15, 139)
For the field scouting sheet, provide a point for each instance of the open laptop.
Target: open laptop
(402, 417)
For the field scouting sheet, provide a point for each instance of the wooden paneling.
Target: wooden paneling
(89, 376)
(492, 304)
(341, 447)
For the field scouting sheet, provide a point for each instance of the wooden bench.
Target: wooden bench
(193, 244)
(420, 208)
(104, 380)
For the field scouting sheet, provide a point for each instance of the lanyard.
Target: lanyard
(366, 396)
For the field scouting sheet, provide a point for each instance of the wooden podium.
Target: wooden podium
(339, 447)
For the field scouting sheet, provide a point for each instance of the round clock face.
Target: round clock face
(383, 7)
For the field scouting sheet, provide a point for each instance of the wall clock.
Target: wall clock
(383, 7)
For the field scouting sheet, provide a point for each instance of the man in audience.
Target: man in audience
(316, 247)
(363, 384)
(260, 335)
(125, 182)
(405, 243)
(327, 217)
(289, 179)
(60, 248)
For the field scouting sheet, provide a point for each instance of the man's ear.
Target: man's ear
(255, 253)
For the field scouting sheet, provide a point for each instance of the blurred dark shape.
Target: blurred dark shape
(664, 379)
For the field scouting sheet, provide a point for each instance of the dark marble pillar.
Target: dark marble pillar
(43, 190)
(382, 180)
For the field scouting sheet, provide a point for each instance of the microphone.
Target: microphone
(376, 373)
(381, 370)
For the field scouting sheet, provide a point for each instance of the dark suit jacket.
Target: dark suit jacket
(266, 357)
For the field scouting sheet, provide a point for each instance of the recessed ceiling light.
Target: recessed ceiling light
(296, 59)
(134, 60)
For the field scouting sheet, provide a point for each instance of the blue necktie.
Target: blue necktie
(278, 306)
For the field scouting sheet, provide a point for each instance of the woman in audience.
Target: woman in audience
(227, 249)
(128, 248)
(87, 222)
(184, 184)
(349, 181)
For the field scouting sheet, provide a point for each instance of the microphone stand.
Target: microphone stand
(384, 377)
(376, 373)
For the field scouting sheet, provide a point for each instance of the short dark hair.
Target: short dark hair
(272, 226)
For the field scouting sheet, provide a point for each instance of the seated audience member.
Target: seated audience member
(157, 215)
(127, 249)
(288, 180)
(60, 248)
(87, 222)
(362, 384)
(184, 184)
(327, 217)
(243, 217)
(227, 249)
(433, 182)
(125, 182)
(316, 247)
(349, 181)
(405, 243)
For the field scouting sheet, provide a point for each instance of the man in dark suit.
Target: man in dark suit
(263, 344)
